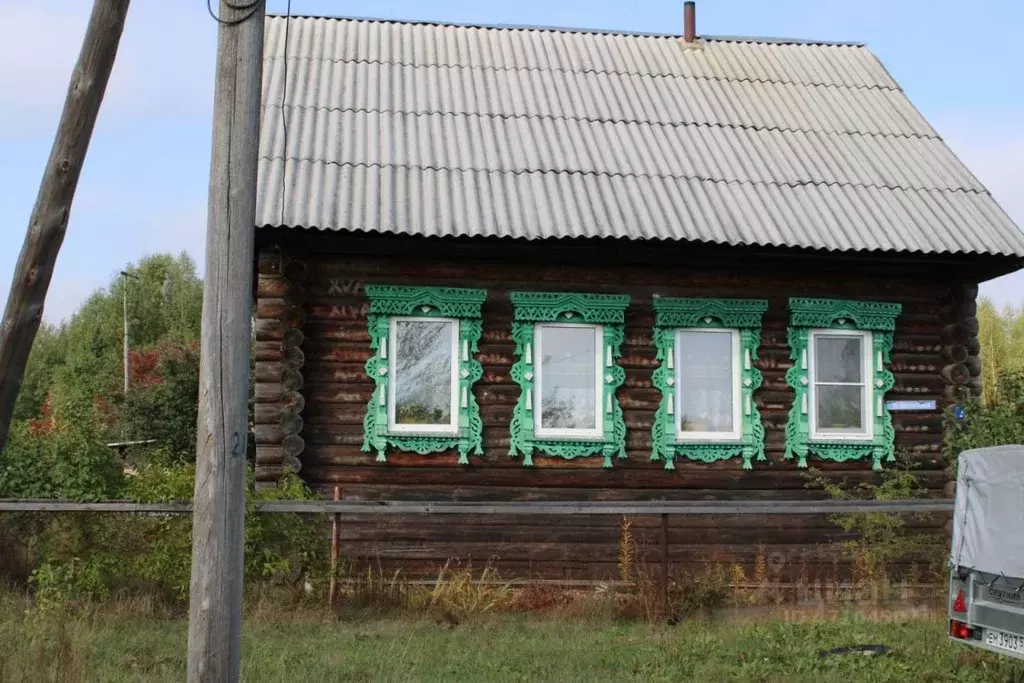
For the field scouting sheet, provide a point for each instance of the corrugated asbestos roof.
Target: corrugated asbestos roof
(441, 130)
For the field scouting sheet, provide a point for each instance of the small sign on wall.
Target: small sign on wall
(910, 406)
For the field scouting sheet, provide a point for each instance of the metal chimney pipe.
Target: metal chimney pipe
(689, 22)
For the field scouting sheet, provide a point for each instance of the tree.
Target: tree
(71, 402)
(1001, 335)
(163, 401)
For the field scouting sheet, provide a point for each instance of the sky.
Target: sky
(143, 188)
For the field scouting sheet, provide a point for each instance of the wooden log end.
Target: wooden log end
(955, 353)
(956, 374)
(293, 357)
(292, 446)
(292, 337)
(291, 380)
(291, 423)
(293, 401)
(293, 317)
(955, 333)
(971, 325)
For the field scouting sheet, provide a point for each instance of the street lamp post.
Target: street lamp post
(125, 275)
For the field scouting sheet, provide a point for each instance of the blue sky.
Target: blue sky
(143, 188)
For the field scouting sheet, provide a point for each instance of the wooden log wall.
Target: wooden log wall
(933, 347)
(962, 353)
(280, 400)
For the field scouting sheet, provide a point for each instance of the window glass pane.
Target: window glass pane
(839, 407)
(704, 367)
(568, 379)
(423, 372)
(837, 359)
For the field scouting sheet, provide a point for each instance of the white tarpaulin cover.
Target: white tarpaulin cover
(988, 521)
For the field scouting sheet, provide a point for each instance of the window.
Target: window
(424, 373)
(840, 368)
(707, 384)
(839, 378)
(566, 351)
(707, 378)
(423, 368)
(568, 377)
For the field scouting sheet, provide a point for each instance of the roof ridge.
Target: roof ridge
(672, 124)
(576, 29)
(332, 60)
(650, 176)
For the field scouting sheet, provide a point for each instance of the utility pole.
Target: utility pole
(49, 220)
(215, 607)
(124, 285)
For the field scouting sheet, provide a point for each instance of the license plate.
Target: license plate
(1004, 641)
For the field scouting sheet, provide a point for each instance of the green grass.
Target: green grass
(107, 645)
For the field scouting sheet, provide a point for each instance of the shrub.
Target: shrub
(996, 423)
(163, 401)
(66, 460)
(883, 538)
(90, 556)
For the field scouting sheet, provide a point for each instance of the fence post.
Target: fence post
(335, 548)
(664, 565)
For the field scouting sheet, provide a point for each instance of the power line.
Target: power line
(250, 7)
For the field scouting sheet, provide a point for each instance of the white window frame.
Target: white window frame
(452, 428)
(867, 384)
(597, 432)
(737, 398)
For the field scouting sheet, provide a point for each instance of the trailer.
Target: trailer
(986, 587)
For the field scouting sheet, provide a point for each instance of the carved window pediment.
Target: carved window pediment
(424, 366)
(567, 348)
(840, 352)
(707, 349)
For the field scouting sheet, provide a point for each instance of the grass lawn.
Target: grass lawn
(102, 646)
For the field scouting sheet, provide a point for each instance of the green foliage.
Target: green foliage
(46, 357)
(995, 422)
(60, 584)
(70, 404)
(66, 460)
(92, 339)
(1001, 335)
(93, 556)
(282, 547)
(165, 406)
(883, 538)
(80, 360)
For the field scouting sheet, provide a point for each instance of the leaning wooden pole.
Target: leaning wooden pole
(49, 220)
(215, 609)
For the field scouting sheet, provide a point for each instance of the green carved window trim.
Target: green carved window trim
(742, 315)
(807, 315)
(388, 302)
(606, 310)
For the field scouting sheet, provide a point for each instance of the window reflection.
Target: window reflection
(423, 372)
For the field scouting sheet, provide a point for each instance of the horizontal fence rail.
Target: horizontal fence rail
(391, 507)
